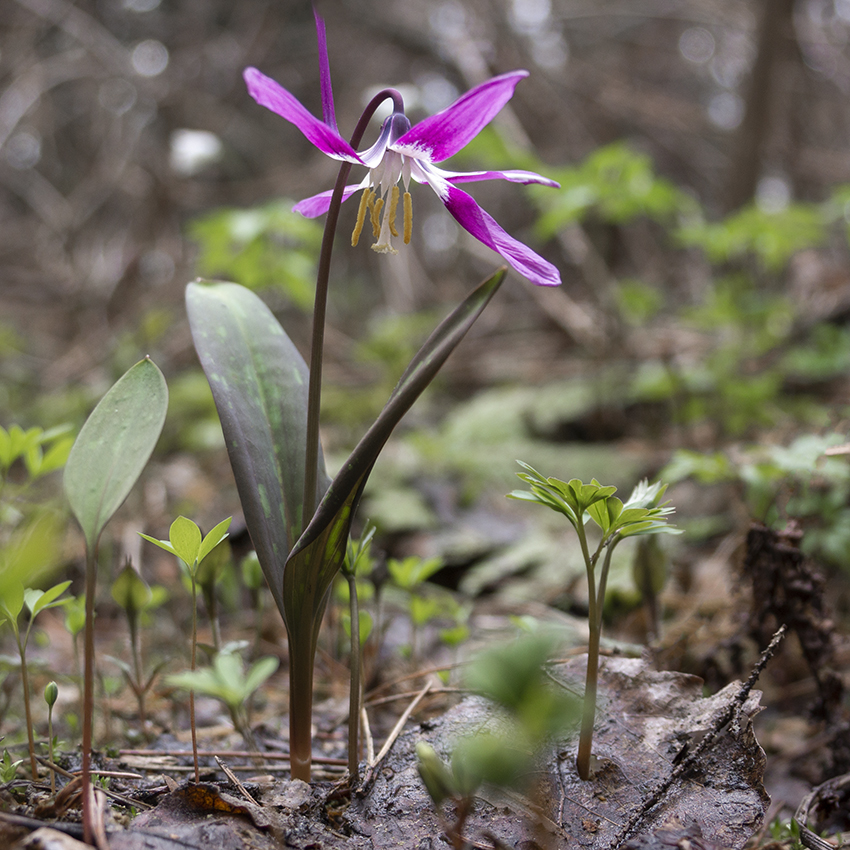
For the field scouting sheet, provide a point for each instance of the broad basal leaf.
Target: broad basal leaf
(114, 445)
(259, 383)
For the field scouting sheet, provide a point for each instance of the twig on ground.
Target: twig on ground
(235, 780)
(396, 731)
(729, 716)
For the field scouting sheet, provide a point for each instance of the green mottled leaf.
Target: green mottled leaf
(259, 383)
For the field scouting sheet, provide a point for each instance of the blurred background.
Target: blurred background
(123, 122)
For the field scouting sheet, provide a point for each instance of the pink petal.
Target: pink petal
(325, 73)
(513, 176)
(484, 228)
(317, 205)
(444, 134)
(273, 96)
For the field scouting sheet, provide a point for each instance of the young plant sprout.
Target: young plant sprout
(227, 681)
(35, 601)
(51, 694)
(355, 555)
(135, 596)
(642, 513)
(186, 543)
(267, 398)
(531, 709)
(105, 462)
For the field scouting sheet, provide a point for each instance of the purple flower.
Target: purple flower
(403, 153)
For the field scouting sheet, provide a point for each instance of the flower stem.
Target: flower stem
(314, 392)
(301, 671)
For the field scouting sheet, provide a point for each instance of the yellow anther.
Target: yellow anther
(376, 217)
(408, 218)
(393, 207)
(361, 216)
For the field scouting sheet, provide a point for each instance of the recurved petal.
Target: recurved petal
(485, 228)
(440, 136)
(325, 72)
(273, 96)
(512, 176)
(317, 205)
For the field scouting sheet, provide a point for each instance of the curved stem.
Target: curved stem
(301, 674)
(314, 391)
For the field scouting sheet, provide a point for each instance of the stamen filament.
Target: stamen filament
(408, 218)
(361, 216)
(393, 207)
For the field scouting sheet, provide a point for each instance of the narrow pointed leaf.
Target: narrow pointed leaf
(114, 445)
(212, 539)
(259, 383)
(37, 601)
(259, 672)
(163, 544)
(319, 553)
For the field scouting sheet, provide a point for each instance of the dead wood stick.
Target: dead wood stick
(235, 780)
(271, 756)
(391, 738)
(728, 716)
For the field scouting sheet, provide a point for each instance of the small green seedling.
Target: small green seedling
(186, 542)
(252, 578)
(9, 768)
(409, 574)
(357, 558)
(41, 451)
(532, 710)
(227, 681)
(136, 597)
(51, 694)
(11, 608)
(107, 458)
(642, 513)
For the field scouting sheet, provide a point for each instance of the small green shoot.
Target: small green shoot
(108, 456)
(11, 608)
(135, 596)
(227, 681)
(9, 768)
(51, 694)
(357, 556)
(642, 513)
(186, 543)
(532, 710)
